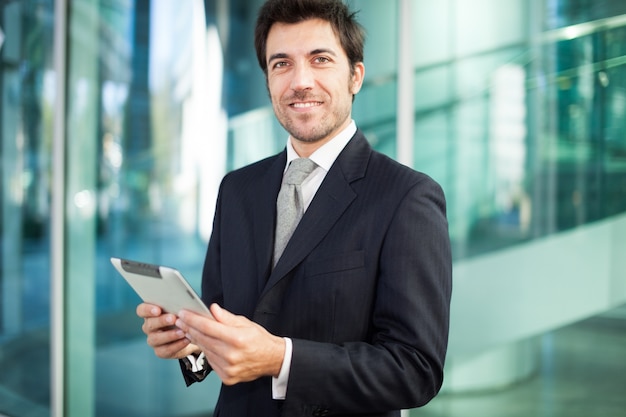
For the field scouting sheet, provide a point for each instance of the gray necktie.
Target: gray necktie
(289, 205)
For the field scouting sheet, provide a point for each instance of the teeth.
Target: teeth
(304, 105)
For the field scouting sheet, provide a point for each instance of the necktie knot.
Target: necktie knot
(298, 170)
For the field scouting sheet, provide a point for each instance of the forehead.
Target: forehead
(302, 38)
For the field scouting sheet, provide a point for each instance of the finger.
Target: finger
(175, 350)
(145, 310)
(226, 317)
(190, 319)
(218, 312)
(197, 329)
(213, 333)
(197, 337)
(166, 337)
(160, 323)
(202, 331)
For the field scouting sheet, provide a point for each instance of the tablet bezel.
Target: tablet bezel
(160, 285)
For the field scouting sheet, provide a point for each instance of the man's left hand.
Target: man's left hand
(238, 349)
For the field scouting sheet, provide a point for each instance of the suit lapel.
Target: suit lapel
(331, 200)
(264, 215)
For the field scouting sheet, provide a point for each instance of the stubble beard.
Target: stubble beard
(295, 125)
(311, 134)
(328, 124)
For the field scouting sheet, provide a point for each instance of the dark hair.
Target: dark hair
(350, 33)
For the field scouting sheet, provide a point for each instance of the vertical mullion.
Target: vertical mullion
(406, 102)
(405, 96)
(57, 244)
(80, 211)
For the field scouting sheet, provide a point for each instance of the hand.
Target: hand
(237, 349)
(167, 340)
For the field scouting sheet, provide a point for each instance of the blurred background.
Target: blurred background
(118, 118)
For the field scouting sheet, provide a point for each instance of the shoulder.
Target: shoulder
(396, 174)
(379, 173)
(400, 186)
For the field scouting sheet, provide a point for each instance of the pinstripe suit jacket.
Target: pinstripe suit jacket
(363, 287)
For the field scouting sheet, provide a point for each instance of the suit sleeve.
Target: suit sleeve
(402, 365)
(211, 292)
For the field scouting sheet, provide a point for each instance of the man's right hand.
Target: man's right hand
(167, 340)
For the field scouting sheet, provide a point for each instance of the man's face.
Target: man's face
(310, 81)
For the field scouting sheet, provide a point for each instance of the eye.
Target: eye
(279, 65)
(321, 60)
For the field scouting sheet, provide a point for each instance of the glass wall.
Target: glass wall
(520, 114)
(26, 114)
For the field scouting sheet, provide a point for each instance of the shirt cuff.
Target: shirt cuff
(279, 385)
(194, 369)
(197, 363)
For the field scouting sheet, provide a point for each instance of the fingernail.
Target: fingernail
(169, 319)
(154, 311)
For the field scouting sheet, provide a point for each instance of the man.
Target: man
(352, 318)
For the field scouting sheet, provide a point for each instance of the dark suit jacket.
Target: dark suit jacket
(362, 288)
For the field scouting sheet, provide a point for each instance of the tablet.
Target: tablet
(160, 285)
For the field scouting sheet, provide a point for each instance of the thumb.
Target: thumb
(221, 315)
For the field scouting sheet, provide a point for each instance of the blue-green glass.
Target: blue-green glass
(525, 132)
(160, 160)
(26, 113)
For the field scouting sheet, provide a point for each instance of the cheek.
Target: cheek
(276, 84)
(274, 97)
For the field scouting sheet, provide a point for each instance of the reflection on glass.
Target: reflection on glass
(163, 154)
(26, 110)
(525, 131)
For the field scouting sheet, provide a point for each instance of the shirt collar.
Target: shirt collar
(325, 156)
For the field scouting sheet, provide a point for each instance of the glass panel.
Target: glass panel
(81, 137)
(26, 106)
(561, 13)
(486, 25)
(375, 106)
(432, 40)
(160, 140)
(526, 132)
(534, 135)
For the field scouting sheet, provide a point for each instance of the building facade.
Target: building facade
(118, 118)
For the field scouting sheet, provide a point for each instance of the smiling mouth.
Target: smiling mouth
(308, 104)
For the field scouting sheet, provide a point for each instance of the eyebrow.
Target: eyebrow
(277, 56)
(282, 55)
(323, 51)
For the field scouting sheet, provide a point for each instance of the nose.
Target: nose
(303, 78)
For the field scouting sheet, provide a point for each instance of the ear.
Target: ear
(357, 78)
